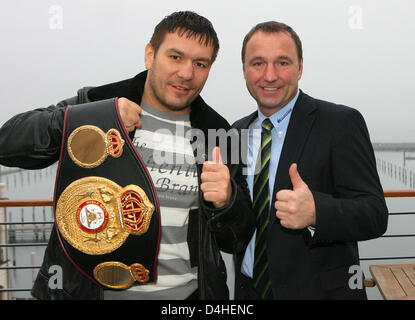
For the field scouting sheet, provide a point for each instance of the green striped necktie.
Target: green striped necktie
(261, 208)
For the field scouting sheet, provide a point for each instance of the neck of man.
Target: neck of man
(268, 112)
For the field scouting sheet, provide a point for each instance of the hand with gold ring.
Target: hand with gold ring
(129, 113)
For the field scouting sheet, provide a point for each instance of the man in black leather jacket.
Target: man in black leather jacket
(172, 83)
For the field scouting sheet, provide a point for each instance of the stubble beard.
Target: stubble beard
(163, 101)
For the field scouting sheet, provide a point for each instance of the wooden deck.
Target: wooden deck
(395, 281)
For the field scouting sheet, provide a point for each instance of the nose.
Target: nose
(186, 70)
(270, 73)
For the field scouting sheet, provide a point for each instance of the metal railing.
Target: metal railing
(49, 203)
(395, 194)
(22, 203)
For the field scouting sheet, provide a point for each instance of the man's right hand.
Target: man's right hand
(130, 113)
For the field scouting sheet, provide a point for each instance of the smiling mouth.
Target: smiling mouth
(180, 88)
(270, 88)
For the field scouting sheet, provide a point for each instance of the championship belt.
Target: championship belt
(106, 207)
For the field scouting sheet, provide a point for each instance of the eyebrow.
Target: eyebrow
(278, 58)
(285, 58)
(177, 51)
(255, 58)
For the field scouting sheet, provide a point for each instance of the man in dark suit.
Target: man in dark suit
(315, 188)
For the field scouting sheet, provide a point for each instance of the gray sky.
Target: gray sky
(357, 53)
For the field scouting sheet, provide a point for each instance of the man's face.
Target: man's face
(176, 73)
(272, 70)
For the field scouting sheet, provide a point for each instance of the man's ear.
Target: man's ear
(301, 69)
(149, 56)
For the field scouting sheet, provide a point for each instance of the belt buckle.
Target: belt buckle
(117, 275)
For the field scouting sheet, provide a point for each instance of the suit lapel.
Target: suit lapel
(244, 123)
(301, 122)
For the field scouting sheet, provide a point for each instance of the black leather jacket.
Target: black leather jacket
(32, 140)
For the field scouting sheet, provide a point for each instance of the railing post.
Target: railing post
(3, 251)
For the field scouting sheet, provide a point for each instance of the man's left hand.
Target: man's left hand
(296, 208)
(216, 182)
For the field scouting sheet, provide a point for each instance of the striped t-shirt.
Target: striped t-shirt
(169, 157)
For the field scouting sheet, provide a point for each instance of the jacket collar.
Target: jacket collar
(301, 122)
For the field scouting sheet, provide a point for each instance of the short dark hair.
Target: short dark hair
(186, 23)
(273, 27)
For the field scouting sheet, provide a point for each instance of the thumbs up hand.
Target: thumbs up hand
(216, 181)
(296, 208)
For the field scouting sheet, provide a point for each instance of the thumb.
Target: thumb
(216, 157)
(295, 176)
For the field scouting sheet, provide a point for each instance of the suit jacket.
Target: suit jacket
(331, 145)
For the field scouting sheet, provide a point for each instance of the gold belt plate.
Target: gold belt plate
(95, 215)
(89, 146)
(117, 275)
